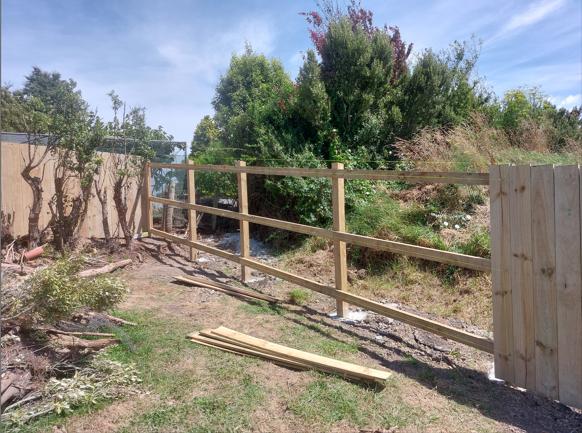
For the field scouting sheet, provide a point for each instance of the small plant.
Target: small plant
(102, 379)
(57, 292)
(479, 244)
(299, 297)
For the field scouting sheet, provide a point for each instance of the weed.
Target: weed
(299, 296)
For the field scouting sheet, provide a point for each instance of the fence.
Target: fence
(536, 262)
(537, 278)
(337, 235)
(17, 195)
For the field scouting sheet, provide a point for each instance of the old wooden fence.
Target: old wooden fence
(17, 195)
(536, 262)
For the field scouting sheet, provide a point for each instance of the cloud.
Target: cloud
(569, 101)
(535, 13)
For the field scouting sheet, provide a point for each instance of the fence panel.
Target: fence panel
(537, 305)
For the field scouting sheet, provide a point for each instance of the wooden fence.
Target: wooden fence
(337, 235)
(536, 262)
(17, 195)
(536, 242)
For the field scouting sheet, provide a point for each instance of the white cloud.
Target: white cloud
(533, 14)
(569, 101)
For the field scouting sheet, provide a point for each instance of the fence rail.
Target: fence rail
(338, 235)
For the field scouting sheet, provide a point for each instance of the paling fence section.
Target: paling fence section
(338, 235)
(17, 195)
(536, 243)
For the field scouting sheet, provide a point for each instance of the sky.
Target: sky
(168, 55)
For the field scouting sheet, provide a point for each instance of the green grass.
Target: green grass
(262, 307)
(328, 400)
(299, 296)
(384, 216)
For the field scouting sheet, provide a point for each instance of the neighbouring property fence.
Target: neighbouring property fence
(536, 243)
(17, 195)
(536, 261)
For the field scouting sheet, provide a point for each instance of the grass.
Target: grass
(329, 401)
(194, 389)
(299, 296)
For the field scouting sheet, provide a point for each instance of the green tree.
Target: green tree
(356, 68)
(440, 91)
(73, 135)
(12, 111)
(312, 107)
(132, 143)
(206, 132)
(252, 105)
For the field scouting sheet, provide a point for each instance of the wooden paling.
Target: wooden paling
(225, 288)
(306, 357)
(235, 342)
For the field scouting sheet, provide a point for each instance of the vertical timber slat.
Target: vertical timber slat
(191, 212)
(147, 191)
(569, 284)
(501, 272)
(522, 300)
(243, 208)
(339, 247)
(544, 279)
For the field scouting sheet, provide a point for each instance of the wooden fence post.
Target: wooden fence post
(192, 213)
(147, 190)
(339, 247)
(243, 208)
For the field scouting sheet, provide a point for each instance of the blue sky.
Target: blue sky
(168, 55)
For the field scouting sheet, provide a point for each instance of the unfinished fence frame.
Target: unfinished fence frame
(338, 235)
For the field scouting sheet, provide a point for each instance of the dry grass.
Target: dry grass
(475, 145)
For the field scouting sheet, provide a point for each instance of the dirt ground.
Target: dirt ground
(437, 385)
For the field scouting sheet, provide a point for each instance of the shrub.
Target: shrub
(299, 297)
(56, 292)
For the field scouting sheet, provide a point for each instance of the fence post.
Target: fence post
(191, 212)
(339, 247)
(147, 206)
(243, 208)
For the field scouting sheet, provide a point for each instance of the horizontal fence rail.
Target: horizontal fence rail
(456, 259)
(339, 236)
(390, 175)
(478, 342)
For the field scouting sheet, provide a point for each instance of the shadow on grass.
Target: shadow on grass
(471, 388)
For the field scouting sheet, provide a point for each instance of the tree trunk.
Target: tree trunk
(35, 184)
(102, 197)
(121, 206)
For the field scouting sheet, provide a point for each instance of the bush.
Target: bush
(299, 297)
(56, 292)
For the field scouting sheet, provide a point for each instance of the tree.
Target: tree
(252, 104)
(205, 133)
(312, 106)
(440, 91)
(132, 147)
(12, 111)
(71, 130)
(356, 69)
